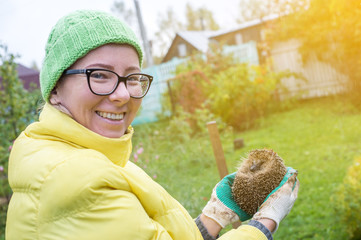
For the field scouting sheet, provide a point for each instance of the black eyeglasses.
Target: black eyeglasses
(103, 82)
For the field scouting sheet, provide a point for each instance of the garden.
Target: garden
(318, 137)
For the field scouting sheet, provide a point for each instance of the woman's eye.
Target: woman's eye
(97, 75)
(133, 79)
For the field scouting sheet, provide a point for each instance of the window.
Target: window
(182, 50)
(239, 38)
(263, 34)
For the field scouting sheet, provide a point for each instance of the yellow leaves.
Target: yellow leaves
(348, 199)
(336, 6)
(226, 97)
(354, 174)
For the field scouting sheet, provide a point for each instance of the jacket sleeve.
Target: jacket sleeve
(253, 231)
(89, 199)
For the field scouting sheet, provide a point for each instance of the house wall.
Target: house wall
(173, 50)
(248, 34)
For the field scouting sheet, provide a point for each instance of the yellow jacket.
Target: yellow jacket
(71, 183)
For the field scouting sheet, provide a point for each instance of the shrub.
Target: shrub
(18, 108)
(347, 201)
(237, 94)
(193, 78)
(185, 125)
(244, 93)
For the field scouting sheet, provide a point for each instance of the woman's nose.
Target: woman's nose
(121, 93)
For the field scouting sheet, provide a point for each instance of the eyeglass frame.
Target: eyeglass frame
(88, 72)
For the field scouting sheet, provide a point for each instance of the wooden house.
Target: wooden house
(188, 42)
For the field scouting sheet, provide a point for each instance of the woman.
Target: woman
(70, 172)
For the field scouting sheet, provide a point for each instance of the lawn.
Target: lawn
(320, 138)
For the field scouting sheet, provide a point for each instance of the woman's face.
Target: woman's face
(109, 115)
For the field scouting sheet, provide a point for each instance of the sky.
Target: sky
(26, 24)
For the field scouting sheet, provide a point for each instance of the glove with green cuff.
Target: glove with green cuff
(280, 201)
(221, 207)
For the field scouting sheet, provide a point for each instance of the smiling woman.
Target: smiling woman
(110, 113)
(70, 172)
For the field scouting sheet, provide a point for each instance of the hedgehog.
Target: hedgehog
(256, 177)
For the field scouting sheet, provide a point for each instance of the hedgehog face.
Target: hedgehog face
(256, 165)
(257, 176)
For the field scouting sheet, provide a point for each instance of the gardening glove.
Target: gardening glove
(221, 207)
(279, 202)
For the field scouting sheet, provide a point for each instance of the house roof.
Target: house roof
(27, 75)
(246, 25)
(198, 39)
(25, 71)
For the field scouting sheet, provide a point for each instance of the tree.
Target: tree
(196, 20)
(329, 29)
(126, 14)
(200, 19)
(34, 66)
(258, 9)
(18, 107)
(168, 25)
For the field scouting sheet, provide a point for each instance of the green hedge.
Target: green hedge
(348, 201)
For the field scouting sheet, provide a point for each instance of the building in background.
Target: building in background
(186, 43)
(28, 76)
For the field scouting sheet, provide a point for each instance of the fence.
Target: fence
(152, 105)
(322, 79)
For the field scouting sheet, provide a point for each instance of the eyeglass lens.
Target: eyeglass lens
(104, 82)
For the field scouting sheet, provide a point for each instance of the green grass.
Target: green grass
(320, 138)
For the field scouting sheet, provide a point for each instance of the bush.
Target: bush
(18, 108)
(347, 201)
(189, 93)
(193, 78)
(185, 125)
(244, 93)
(233, 93)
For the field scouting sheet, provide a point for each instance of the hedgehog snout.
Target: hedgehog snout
(254, 167)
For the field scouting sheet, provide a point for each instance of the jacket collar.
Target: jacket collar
(57, 126)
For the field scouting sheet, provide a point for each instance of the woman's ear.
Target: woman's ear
(55, 101)
(54, 97)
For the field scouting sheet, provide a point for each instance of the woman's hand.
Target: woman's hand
(222, 208)
(279, 203)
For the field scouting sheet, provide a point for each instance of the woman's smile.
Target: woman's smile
(112, 116)
(107, 115)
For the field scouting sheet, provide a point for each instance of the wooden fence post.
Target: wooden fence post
(219, 155)
(217, 149)
(172, 102)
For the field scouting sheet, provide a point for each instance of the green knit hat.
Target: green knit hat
(77, 34)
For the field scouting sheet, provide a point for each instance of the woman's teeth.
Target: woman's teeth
(112, 116)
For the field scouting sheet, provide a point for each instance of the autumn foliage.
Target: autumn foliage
(347, 201)
(233, 92)
(330, 29)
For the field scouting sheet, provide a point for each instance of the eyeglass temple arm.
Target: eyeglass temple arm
(75, 71)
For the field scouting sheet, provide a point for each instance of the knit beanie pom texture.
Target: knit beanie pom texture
(77, 34)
